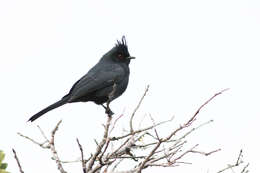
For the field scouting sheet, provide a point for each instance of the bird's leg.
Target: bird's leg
(108, 110)
(110, 96)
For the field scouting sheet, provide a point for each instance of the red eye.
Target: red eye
(120, 56)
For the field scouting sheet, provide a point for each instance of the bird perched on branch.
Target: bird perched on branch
(104, 82)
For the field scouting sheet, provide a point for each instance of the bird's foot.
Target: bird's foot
(109, 112)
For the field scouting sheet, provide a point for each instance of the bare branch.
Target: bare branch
(35, 142)
(69, 161)
(53, 149)
(239, 157)
(183, 154)
(17, 161)
(244, 169)
(82, 157)
(153, 149)
(116, 165)
(48, 144)
(116, 121)
(101, 145)
(141, 130)
(55, 130)
(105, 149)
(205, 153)
(149, 156)
(121, 149)
(137, 107)
(43, 134)
(236, 164)
(204, 104)
(193, 118)
(187, 124)
(195, 128)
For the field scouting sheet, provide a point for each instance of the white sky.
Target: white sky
(186, 50)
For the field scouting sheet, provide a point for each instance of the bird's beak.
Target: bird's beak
(131, 57)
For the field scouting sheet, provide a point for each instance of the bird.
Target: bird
(103, 83)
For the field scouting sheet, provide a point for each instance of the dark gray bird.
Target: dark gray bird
(104, 82)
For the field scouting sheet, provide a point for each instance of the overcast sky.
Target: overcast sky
(186, 50)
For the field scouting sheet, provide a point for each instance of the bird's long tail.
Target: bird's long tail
(49, 108)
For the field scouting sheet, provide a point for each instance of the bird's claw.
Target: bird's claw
(109, 112)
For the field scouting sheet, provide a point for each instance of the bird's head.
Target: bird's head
(119, 53)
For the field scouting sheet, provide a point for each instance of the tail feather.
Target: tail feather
(49, 108)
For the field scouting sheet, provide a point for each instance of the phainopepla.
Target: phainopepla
(104, 82)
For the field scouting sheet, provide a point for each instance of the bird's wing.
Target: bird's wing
(97, 78)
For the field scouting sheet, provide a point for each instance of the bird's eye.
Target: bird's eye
(120, 56)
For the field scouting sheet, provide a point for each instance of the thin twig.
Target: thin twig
(205, 153)
(141, 130)
(55, 129)
(116, 121)
(165, 151)
(72, 161)
(137, 107)
(186, 124)
(53, 149)
(101, 145)
(193, 118)
(120, 148)
(239, 157)
(156, 133)
(105, 149)
(17, 161)
(204, 104)
(195, 128)
(141, 167)
(183, 154)
(35, 142)
(237, 163)
(244, 169)
(82, 157)
(116, 165)
(43, 134)
(167, 156)
(176, 146)
(130, 157)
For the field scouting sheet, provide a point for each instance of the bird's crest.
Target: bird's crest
(122, 45)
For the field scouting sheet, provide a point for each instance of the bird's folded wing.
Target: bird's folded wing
(96, 79)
